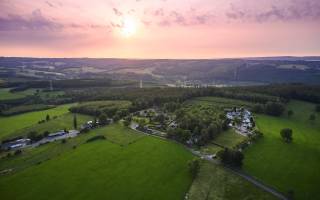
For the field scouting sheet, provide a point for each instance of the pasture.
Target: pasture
(214, 182)
(288, 167)
(227, 138)
(12, 124)
(127, 165)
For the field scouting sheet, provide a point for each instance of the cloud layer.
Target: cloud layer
(93, 26)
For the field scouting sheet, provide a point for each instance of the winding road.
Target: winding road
(249, 178)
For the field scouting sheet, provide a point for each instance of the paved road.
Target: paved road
(249, 178)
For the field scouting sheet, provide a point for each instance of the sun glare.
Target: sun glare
(129, 27)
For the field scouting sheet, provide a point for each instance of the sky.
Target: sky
(159, 28)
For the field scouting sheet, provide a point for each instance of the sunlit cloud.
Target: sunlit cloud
(199, 28)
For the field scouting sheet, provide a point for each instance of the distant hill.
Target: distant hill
(211, 71)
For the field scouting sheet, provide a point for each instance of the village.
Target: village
(20, 143)
(152, 121)
(241, 120)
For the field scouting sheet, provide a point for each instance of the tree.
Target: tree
(312, 117)
(274, 108)
(126, 122)
(47, 117)
(286, 134)
(231, 157)
(318, 108)
(160, 118)
(194, 167)
(75, 123)
(290, 113)
(103, 119)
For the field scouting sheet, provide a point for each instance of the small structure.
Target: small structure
(57, 134)
(173, 125)
(16, 144)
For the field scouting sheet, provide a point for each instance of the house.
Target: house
(16, 144)
(57, 134)
(173, 125)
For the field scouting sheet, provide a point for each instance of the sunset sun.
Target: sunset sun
(129, 27)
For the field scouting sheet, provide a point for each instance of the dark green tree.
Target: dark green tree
(286, 134)
(312, 117)
(48, 117)
(290, 113)
(318, 108)
(75, 123)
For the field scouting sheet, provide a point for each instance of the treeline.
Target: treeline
(24, 109)
(310, 93)
(147, 97)
(61, 84)
(270, 108)
(103, 110)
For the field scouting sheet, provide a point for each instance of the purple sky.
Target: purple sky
(159, 28)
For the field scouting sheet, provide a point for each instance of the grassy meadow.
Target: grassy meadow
(293, 166)
(227, 138)
(11, 124)
(214, 182)
(127, 165)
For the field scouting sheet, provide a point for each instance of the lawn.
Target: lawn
(285, 166)
(127, 165)
(12, 124)
(214, 182)
(5, 94)
(227, 138)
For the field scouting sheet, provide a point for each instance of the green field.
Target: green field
(219, 102)
(227, 138)
(292, 166)
(127, 165)
(12, 124)
(214, 182)
(62, 122)
(5, 94)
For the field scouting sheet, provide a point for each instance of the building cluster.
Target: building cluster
(16, 144)
(241, 119)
